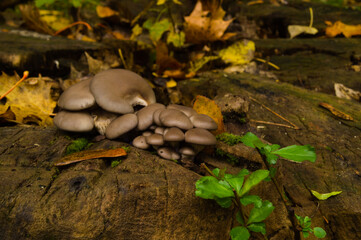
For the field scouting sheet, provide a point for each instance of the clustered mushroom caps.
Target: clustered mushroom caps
(106, 102)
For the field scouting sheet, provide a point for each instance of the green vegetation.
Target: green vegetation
(233, 190)
(115, 162)
(305, 223)
(229, 138)
(65, 4)
(77, 145)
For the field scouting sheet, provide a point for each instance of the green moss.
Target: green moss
(115, 162)
(127, 149)
(77, 145)
(227, 156)
(229, 138)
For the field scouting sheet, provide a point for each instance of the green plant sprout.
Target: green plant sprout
(77, 145)
(226, 189)
(305, 224)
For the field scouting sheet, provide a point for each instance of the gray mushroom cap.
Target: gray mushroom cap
(155, 139)
(168, 153)
(173, 134)
(203, 121)
(140, 142)
(121, 125)
(187, 151)
(186, 110)
(175, 118)
(74, 121)
(156, 114)
(145, 115)
(77, 97)
(200, 136)
(118, 90)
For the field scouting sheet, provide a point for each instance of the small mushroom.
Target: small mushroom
(145, 115)
(186, 110)
(187, 153)
(156, 114)
(159, 130)
(140, 142)
(199, 137)
(147, 133)
(173, 134)
(77, 97)
(155, 140)
(74, 121)
(118, 90)
(168, 153)
(121, 125)
(203, 121)
(175, 118)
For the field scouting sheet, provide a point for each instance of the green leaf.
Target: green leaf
(158, 28)
(251, 199)
(240, 233)
(255, 178)
(307, 222)
(210, 188)
(251, 140)
(258, 227)
(272, 173)
(224, 202)
(260, 214)
(40, 3)
(148, 23)
(297, 153)
(216, 171)
(324, 196)
(177, 39)
(267, 151)
(305, 234)
(239, 218)
(319, 232)
(235, 182)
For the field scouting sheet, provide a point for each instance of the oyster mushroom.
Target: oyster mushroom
(168, 153)
(199, 137)
(140, 142)
(119, 90)
(74, 121)
(145, 115)
(203, 121)
(77, 97)
(121, 125)
(175, 118)
(186, 110)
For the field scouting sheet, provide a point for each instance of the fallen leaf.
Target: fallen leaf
(197, 64)
(157, 28)
(295, 30)
(90, 154)
(342, 91)
(336, 112)
(164, 61)
(206, 24)
(7, 117)
(30, 100)
(95, 65)
(33, 20)
(104, 11)
(324, 196)
(55, 19)
(241, 52)
(177, 39)
(204, 105)
(339, 27)
(171, 83)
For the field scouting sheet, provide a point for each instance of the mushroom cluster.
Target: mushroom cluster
(107, 103)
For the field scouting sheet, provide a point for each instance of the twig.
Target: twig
(294, 126)
(272, 123)
(150, 4)
(269, 63)
(122, 58)
(71, 25)
(25, 75)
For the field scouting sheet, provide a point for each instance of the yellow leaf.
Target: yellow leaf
(30, 101)
(160, 2)
(136, 31)
(206, 24)
(339, 27)
(90, 154)
(171, 83)
(204, 105)
(54, 19)
(239, 53)
(104, 11)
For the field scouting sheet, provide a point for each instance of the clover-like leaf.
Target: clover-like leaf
(319, 232)
(257, 227)
(240, 233)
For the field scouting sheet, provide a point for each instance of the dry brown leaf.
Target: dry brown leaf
(95, 65)
(342, 91)
(90, 154)
(33, 20)
(336, 112)
(204, 105)
(30, 101)
(339, 27)
(206, 24)
(165, 62)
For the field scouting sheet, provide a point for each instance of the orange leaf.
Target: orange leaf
(104, 12)
(336, 112)
(204, 105)
(339, 27)
(164, 61)
(206, 24)
(90, 154)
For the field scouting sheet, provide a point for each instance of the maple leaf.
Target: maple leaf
(206, 25)
(30, 101)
